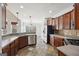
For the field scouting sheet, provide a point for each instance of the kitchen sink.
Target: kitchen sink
(72, 42)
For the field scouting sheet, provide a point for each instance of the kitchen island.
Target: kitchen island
(12, 43)
(64, 48)
(68, 50)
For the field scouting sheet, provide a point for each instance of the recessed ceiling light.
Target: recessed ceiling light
(21, 6)
(50, 11)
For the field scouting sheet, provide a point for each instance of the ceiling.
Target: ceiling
(37, 11)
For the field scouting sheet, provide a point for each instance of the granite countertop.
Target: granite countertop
(10, 38)
(69, 50)
(65, 36)
(8, 41)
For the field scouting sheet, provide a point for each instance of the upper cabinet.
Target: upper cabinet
(76, 12)
(49, 21)
(69, 20)
(53, 22)
(56, 23)
(60, 22)
(66, 21)
(72, 19)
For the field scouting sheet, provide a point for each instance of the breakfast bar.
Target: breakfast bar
(68, 50)
(11, 44)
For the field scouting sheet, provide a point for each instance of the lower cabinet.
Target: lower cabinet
(12, 48)
(6, 50)
(12, 45)
(23, 41)
(16, 46)
(56, 41)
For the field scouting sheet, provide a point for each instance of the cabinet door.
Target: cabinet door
(53, 22)
(23, 41)
(67, 21)
(73, 19)
(56, 23)
(6, 50)
(12, 49)
(60, 22)
(49, 21)
(58, 41)
(16, 45)
(76, 6)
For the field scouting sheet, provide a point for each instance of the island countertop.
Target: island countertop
(10, 38)
(69, 50)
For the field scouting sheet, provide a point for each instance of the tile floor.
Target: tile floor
(40, 49)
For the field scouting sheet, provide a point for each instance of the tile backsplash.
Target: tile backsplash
(69, 32)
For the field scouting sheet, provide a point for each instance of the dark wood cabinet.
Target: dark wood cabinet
(16, 45)
(23, 41)
(67, 21)
(56, 41)
(60, 22)
(72, 19)
(12, 48)
(76, 8)
(56, 24)
(12, 45)
(6, 50)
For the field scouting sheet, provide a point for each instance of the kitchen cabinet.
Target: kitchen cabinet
(49, 21)
(66, 21)
(16, 45)
(6, 50)
(56, 41)
(23, 41)
(12, 45)
(76, 8)
(73, 19)
(61, 22)
(53, 22)
(56, 23)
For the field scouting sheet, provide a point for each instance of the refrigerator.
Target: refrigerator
(50, 30)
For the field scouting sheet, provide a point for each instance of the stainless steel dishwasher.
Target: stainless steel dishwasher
(31, 39)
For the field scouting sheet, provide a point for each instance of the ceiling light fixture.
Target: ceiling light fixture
(50, 11)
(21, 6)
